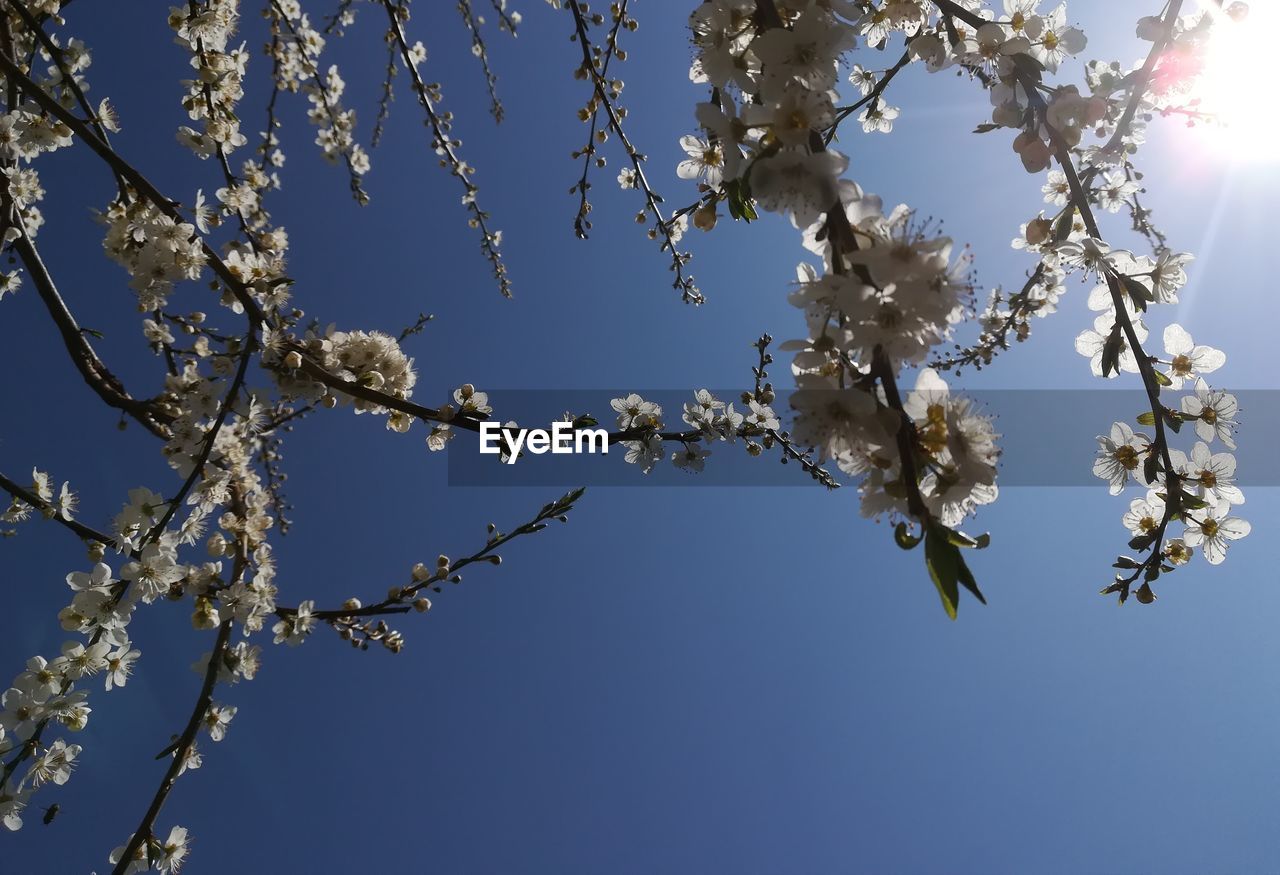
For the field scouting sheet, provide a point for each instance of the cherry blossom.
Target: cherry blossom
(1212, 532)
(884, 301)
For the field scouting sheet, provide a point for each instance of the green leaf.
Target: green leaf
(738, 193)
(1065, 223)
(903, 537)
(1111, 352)
(967, 580)
(1191, 502)
(1140, 294)
(1151, 467)
(1141, 542)
(942, 558)
(1162, 379)
(960, 539)
(1146, 418)
(1026, 61)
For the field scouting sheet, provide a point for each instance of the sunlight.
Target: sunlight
(1237, 85)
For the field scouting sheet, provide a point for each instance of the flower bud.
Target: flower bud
(1007, 115)
(217, 544)
(1032, 150)
(205, 615)
(1038, 230)
(704, 217)
(1149, 28)
(77, 718)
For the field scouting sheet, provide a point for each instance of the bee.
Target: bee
(50, 813)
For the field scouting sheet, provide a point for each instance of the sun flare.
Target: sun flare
(1237, 83)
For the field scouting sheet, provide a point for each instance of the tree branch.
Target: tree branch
(185, 741)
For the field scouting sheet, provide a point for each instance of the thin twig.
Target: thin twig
(481, 51)
(183, 747)
(443, 142)
(682, 283)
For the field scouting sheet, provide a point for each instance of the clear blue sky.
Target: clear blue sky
(747, 680)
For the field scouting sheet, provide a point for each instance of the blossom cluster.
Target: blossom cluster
(1196, 489)
(370, 359)
(46, 695)
(889, 290)
(296, 53)
(709, 419)
(205, 542)
(889, 294)
(157, 251)
(881, 292)
(1114, 113)
(206, 30)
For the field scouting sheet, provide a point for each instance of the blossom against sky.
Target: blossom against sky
(687, 679)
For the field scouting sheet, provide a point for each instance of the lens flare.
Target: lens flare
(1237, 85)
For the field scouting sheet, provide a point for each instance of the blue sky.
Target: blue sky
(681, 679)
